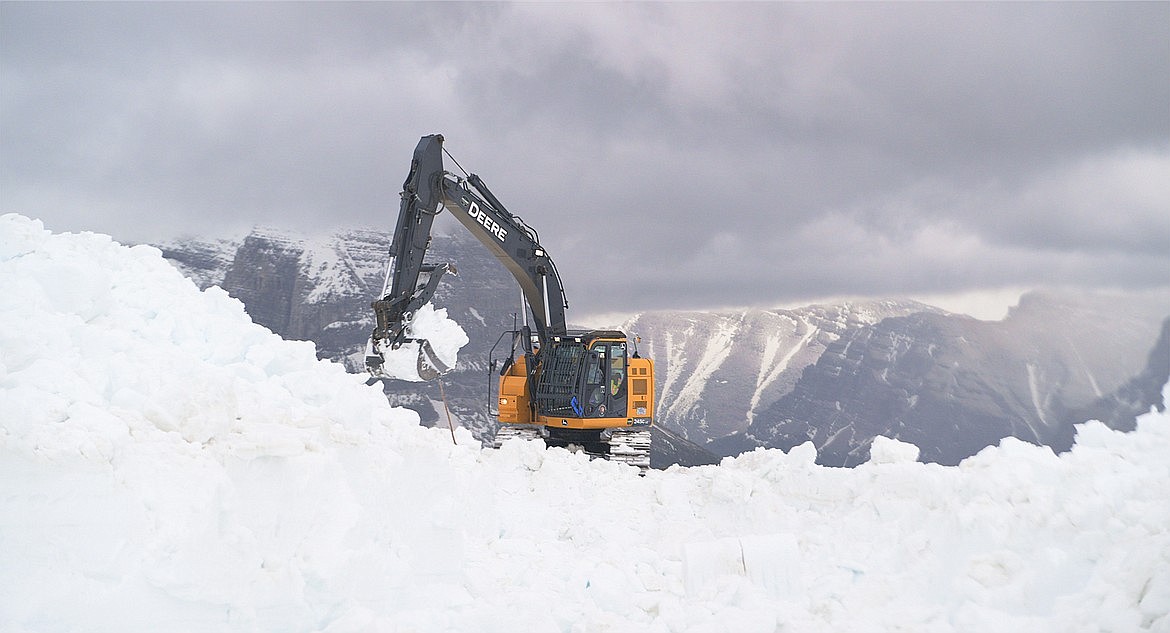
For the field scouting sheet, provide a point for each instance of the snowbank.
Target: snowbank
(167, 465)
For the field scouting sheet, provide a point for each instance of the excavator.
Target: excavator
(579, 389)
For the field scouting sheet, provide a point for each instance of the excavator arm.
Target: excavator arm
(410, 281)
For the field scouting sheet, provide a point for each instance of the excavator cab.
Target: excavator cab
(583, 377)
(587, 391)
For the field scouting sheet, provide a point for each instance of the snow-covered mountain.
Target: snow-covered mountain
(716, 371)
(841, 375)
(168, 465)
(838, 375)
(1030, 376)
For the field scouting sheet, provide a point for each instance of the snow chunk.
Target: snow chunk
(890, 451)
(445, 335)
(22, 235)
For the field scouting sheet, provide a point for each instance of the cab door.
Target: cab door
(604, 385)
(616, 380)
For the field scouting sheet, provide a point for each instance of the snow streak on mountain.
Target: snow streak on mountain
(167, 465)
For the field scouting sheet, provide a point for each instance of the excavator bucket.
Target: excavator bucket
(429, 365)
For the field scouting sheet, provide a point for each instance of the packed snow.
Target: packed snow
(167, 465)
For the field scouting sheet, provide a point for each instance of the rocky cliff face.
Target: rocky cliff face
(836, 375)
(299, 287)
(310, 289)
(203, 261)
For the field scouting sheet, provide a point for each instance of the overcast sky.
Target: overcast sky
(681, 155)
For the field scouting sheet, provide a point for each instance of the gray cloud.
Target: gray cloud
(743, 154)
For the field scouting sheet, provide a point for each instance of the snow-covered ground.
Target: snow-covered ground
(166, 465)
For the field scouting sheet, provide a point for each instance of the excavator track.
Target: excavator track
(627, 446)
(526, 432)
(630, 446)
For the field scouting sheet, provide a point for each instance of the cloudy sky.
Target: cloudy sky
(682, 155)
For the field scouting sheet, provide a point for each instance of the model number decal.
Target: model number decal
(488, 223)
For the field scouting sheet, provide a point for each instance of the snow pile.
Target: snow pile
(890, 451)
(166, 465)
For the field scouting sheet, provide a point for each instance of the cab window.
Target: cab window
(617, 369)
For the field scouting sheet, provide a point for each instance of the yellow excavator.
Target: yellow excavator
(587, 389)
